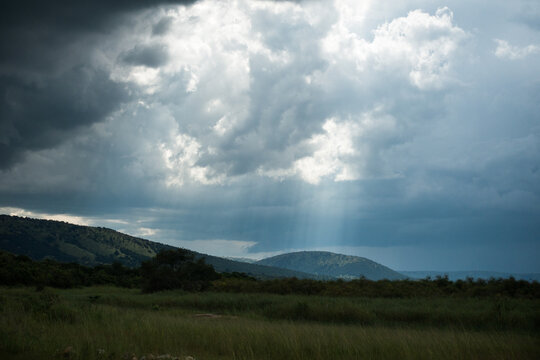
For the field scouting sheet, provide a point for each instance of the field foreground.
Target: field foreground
(114, 323)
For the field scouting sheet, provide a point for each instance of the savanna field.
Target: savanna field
(105, 322)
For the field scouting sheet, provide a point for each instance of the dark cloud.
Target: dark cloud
(162, 26)
(49, 85)
(152, 56)
(40, 114)
(26, 23)
(78, 14)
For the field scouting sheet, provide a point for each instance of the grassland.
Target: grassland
(114, 323)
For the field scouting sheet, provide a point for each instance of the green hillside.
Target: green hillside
(90, 246)
(324, 263)
(65, 242)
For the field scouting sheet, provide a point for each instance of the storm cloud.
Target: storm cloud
(51, 84)
(378, 129)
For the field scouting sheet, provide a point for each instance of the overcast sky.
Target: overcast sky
(407, 132)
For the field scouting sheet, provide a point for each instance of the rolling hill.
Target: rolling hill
(86, 245)
(324, 263)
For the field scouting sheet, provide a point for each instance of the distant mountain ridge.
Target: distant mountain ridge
(325, 263)
(86, 245)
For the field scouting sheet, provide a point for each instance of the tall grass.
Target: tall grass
(108, 323)
(485, 313)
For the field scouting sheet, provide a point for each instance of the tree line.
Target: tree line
(177, 269)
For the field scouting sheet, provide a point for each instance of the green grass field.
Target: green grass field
(114, 323)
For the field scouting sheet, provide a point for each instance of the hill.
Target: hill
(90, 246)
(324, 263)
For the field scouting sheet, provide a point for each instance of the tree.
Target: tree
(176, 269)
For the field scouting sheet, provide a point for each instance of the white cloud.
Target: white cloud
(227, 119)
(180, 156)
(332, 150)
(506, 51)
(79, 220)
(344, 150)
(145, 232)
(420, 46)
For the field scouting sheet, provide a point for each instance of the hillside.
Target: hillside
(324, 263)
(65, 242)
(86, 245)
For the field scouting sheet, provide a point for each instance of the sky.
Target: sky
(407, 131)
